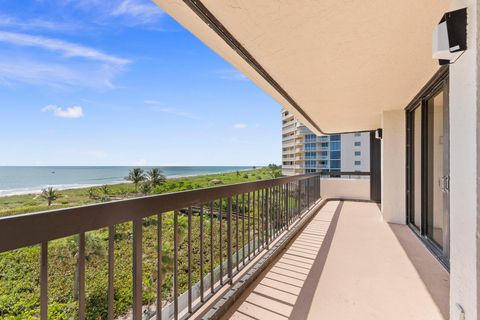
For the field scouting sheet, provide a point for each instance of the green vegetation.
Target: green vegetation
(50, 195)
(275, 171)
(136, 176)
(19, 269)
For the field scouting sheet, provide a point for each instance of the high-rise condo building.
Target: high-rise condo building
(305, 152)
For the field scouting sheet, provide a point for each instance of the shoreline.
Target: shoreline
(35, 191)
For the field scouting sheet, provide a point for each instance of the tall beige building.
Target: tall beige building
(305, 152)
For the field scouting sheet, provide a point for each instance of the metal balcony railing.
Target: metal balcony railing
(223, 228)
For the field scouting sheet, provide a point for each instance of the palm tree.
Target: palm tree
(50, 195)
(136, 175)
(146, 188)
(155, 177)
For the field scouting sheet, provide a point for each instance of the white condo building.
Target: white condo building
(305, 152)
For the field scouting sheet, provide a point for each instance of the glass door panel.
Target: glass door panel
(436, 186)
(428, 168)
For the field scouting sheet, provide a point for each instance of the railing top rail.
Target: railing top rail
(345, 173)
(33, 228)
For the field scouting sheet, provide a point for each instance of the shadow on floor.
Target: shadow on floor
(432, 273)
(286, 289)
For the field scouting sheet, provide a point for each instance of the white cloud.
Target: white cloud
(66, 48)
(69, 112)
(46, 73)
(37, 24)
(143, 11)
(239, 125)
(231, 74)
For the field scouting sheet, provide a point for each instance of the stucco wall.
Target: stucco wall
(393, 166)
(358, 189)
(463, 172)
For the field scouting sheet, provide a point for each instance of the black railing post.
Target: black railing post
(229, 240)
(287, 218)
(267, 218)
(137, 269)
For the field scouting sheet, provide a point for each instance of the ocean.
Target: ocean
(25, 180)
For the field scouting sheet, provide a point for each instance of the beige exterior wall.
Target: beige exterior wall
(464, 130)
(393, 166)
(358, 189)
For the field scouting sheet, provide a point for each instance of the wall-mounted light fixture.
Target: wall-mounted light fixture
(449, 39)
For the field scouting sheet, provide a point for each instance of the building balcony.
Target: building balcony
(288, 143)
(289, 128)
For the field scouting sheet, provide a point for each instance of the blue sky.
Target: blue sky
(119, 82)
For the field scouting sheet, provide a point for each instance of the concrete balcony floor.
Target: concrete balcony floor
(349, 264)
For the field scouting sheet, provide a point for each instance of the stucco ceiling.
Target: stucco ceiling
(341, 61)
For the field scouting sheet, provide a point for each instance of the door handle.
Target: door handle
(444, 184)
(441, 183)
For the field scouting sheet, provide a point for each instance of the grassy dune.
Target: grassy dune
(17, 204)
(19, 269)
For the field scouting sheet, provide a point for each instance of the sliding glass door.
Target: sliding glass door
(428, 167)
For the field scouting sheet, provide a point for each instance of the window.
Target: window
(310, 163)
(335, 155)
(310, 155)
(357, 163)
(310, 170)
(335, 137)
(358, 153)
(357, 143)
(310, 138)
(323, 138)
(335, 164)
(357, 134)
(310, 146)
(335, 145)
(324, 144)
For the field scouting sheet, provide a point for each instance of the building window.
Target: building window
(310, 146)
(335, 145)
(335, 164)
(310, 138)
(358, 153)
(324, 144)
(335, 155)
(310, 155)
(335, 137)
(310, 163)
(357, 134)
(357, 163)
(357, 144)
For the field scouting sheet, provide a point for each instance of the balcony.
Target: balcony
(288, 143)
(341, 259)
(349, 264)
